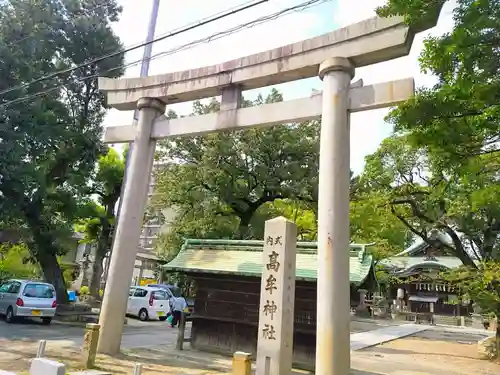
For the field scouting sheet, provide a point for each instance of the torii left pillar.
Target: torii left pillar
(114, 305)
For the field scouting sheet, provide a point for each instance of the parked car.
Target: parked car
(148, 303)
(175, 292)
(26, 298)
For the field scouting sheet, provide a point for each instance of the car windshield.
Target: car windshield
(38, 291)
(160, 295)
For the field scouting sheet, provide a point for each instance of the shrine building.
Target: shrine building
(422, 290)
(226, 277)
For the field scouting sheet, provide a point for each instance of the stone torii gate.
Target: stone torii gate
(333, 57)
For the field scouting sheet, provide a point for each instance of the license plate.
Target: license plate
(36, 312)
(161, 313)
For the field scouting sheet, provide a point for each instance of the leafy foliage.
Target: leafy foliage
(234, 174)
(15, 262)
(98, 224)
(227, 185)
(482, 285)
(440, 169)
(50, 142)
(457, 119)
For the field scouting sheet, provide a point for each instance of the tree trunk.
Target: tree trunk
(244, 226)
(497, 338)
(97, 269)
(53, 275)
(100, 253)
(45, 253)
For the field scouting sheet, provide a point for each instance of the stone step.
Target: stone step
(75, 313)
(74, 307)
(77, 317)
(447, 320)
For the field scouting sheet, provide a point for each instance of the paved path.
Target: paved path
(364, 340)
(157, 334)
(136, 334)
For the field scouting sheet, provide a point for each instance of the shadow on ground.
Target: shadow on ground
(388, 351)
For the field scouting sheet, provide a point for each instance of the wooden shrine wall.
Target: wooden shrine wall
(226, 315)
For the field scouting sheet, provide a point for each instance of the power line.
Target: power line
(219, 35)
(113, 54)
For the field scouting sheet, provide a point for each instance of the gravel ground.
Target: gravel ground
(436, 351)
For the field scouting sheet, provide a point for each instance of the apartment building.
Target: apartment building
(146, 258)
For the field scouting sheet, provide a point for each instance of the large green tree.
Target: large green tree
(50, 142)
(458, 118)
(441, 168)
(226, 185)
(450, 133)
(424, 198)
(236, 173)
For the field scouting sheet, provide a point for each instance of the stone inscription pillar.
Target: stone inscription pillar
(277, 298)
(333, 306)
(129, 228)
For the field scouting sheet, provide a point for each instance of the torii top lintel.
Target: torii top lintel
(368, 42)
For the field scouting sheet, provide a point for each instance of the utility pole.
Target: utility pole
(146, 59)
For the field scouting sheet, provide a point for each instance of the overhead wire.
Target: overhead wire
(190, 27)
(297, 8)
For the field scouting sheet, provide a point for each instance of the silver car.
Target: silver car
(25, 298)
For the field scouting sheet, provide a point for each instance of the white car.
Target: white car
(148, 303)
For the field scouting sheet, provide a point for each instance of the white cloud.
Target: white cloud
(367, 128)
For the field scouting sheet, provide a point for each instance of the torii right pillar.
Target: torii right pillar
(333, 298)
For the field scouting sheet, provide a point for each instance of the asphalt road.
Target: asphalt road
(136, 333)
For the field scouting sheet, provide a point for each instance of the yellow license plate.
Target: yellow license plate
(36, 312)
(161, 313)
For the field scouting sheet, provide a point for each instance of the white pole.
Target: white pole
(41, 349)
(137, 369)
(333, 299)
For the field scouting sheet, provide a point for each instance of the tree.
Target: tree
(453, 127)
(425, 198)
(452, 130)
(50, 143)
(15, 262)
(227, 185)
(371, 221)
(461, 202)
(466, 62)
(300, 213)
(98, 227)
(236, 173)
(482, 285)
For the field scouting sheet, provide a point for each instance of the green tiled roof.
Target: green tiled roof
(245, 258)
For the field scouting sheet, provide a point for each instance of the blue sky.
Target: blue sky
(368, 129)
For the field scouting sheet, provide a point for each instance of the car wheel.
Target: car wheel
(9, 316)
(46, 321)
(143, 315)
(162, 318)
